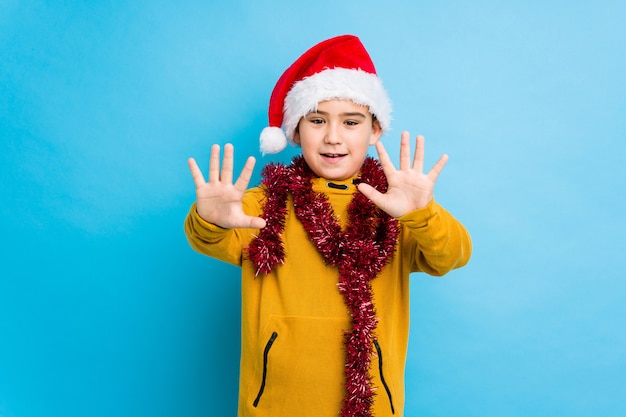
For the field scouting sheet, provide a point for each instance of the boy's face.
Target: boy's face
(336, 137)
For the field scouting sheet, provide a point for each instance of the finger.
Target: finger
(433, 174)
(372, 193)
(246, 174)
(214, 164)
(196, 173)
(418, 158)
(384, 159)
(405, 151)
(256, 222)
(227, 164)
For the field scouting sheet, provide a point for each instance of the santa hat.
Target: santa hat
(337, 68)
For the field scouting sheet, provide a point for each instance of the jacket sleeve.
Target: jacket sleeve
(436, 242)
(224, 244)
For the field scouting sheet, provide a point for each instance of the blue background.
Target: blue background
(106, 311)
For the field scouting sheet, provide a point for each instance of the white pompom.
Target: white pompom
(272, 140)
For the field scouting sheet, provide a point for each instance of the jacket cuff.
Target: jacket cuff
(201, 226)
(419, 218)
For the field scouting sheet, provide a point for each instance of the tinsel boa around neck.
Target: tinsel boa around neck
(359, 253)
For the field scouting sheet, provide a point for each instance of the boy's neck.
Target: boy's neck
(323, 184)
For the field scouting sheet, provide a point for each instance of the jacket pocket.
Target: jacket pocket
(379, 351)
(298, 368)
(266, 352)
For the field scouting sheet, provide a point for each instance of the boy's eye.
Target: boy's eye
(316, 120)
(351, 122)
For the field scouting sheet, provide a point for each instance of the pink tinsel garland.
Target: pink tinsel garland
(359, 253)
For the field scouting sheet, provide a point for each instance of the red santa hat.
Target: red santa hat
(337, 68)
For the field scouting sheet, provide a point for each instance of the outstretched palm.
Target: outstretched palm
(218, 200)
(408, 187)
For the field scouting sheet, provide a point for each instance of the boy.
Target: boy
(326, 244)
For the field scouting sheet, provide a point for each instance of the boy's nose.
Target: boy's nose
(332, 135)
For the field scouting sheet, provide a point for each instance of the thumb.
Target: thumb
(256, 222)
(370, 192)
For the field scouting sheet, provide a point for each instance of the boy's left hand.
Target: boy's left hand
(409, 188)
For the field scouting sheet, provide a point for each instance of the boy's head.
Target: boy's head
(336, 69)
(335, 138)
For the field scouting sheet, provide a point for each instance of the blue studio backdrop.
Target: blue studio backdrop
(106, 311)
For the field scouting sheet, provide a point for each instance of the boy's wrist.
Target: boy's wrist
(203, 223)
(419, 216)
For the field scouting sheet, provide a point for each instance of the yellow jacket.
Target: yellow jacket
(293, 319)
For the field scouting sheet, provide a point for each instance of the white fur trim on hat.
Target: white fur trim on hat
(358, 86)
(272, 140)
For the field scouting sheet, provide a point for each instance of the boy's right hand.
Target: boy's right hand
(219, 201)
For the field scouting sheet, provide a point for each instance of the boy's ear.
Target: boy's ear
(296, 133)
(377, 132)
(296, 136)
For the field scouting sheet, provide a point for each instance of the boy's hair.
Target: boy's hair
(337, 68)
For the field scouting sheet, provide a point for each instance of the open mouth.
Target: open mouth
(333, 155)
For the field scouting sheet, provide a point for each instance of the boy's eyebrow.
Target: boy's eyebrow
(345, 114)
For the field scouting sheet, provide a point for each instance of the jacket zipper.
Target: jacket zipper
(382, 378)
(268, 346)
